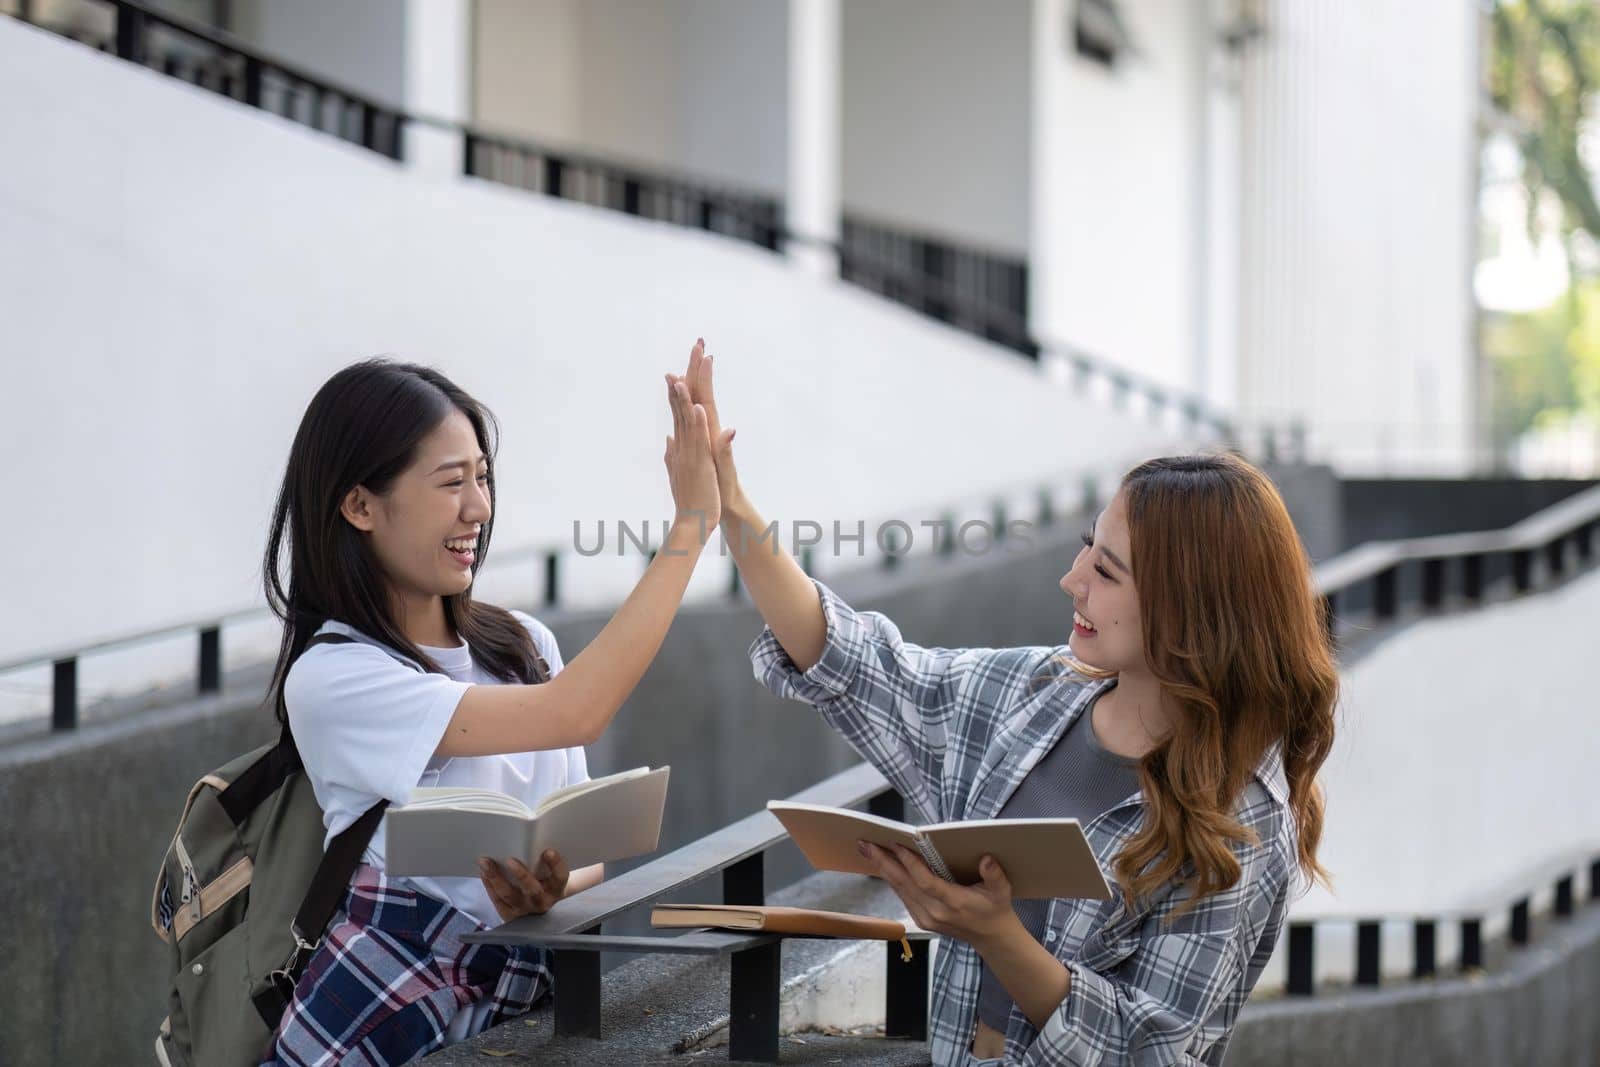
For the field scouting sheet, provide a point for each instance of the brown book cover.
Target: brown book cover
(772, 919)
(1043, 858)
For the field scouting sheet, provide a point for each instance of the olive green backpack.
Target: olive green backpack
(243, 897)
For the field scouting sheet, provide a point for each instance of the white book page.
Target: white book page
(462, 799)
(827, 836)
(556, 796)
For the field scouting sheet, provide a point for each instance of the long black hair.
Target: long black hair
(362, 428)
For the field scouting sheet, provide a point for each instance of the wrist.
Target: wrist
(689, 533)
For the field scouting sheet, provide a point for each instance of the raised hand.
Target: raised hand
(690, 468)
(698, 379)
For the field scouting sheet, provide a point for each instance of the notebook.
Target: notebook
(1042, 858)
(441, 832)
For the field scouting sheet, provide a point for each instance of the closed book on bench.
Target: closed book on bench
(806, 922)
(1042, 858)
(441, 832)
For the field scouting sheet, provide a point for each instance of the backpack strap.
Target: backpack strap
(328, 884)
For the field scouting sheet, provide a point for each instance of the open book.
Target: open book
(1041, 857)
(442, 831)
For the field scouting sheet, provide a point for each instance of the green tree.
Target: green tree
(1544, 69)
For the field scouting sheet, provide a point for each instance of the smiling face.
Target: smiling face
(424, 531)
(1106, 631)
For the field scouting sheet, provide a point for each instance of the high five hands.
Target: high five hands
(691, 467)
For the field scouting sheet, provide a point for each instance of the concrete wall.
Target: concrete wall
(935, 124)
(1535, 1012)
(1386, 509)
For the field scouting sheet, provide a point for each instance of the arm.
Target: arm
(576, 706)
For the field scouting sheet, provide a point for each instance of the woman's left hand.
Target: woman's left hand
(976, 914)
(516, 891)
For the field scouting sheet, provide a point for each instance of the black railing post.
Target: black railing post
(1047, 509)
(1520, 927)
(369, 127)
(1594, 880)
(577, 975)
(1471, 944)
(1432, 583)
(1425, 949)
(130, 33)
(1302, 960)
(1472, 577)
(1555, 554)
(1369, 948)
(252, 81)
(1385, 602)
(1563, 904)
(905, 1009)
(1522, 569)
(745, 882)
(64, 695)
(469, 144)
(210, 659)
(753, 988)
(552, 588)
(552, 176)
(630, 196)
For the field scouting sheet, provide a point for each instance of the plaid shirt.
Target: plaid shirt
(391, 974)
(956, 731)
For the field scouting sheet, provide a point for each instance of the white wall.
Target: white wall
(936, 117)
(171, 303)
(691, 85)
(1359, 204)
(1117, 190)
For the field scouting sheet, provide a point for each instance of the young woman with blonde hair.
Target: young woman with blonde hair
(1183, 725)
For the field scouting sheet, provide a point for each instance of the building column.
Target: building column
(1216, 373)
(811, 206)
(1047, 136)
(438, 70)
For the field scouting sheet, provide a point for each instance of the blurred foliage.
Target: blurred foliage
(1543, 77)
(1544, 69)
(1545, 363)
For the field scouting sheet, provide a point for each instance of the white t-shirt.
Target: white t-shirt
(367, 724)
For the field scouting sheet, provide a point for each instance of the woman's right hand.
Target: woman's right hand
(690, 468)
(698, 379)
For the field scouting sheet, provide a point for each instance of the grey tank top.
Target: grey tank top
(1076, 779)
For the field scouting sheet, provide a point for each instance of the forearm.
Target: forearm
(576, 706)
(1036, 980)
(782, 592)
(585, 878)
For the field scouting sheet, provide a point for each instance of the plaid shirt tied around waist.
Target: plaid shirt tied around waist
(391, 973)
(956, 731)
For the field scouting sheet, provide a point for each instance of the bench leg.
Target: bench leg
(577, 992)
(753, 1004)
(906, 992)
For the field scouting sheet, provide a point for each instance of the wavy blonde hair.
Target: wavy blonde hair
(1233, 632)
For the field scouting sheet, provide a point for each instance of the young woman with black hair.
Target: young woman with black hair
(384, 519)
